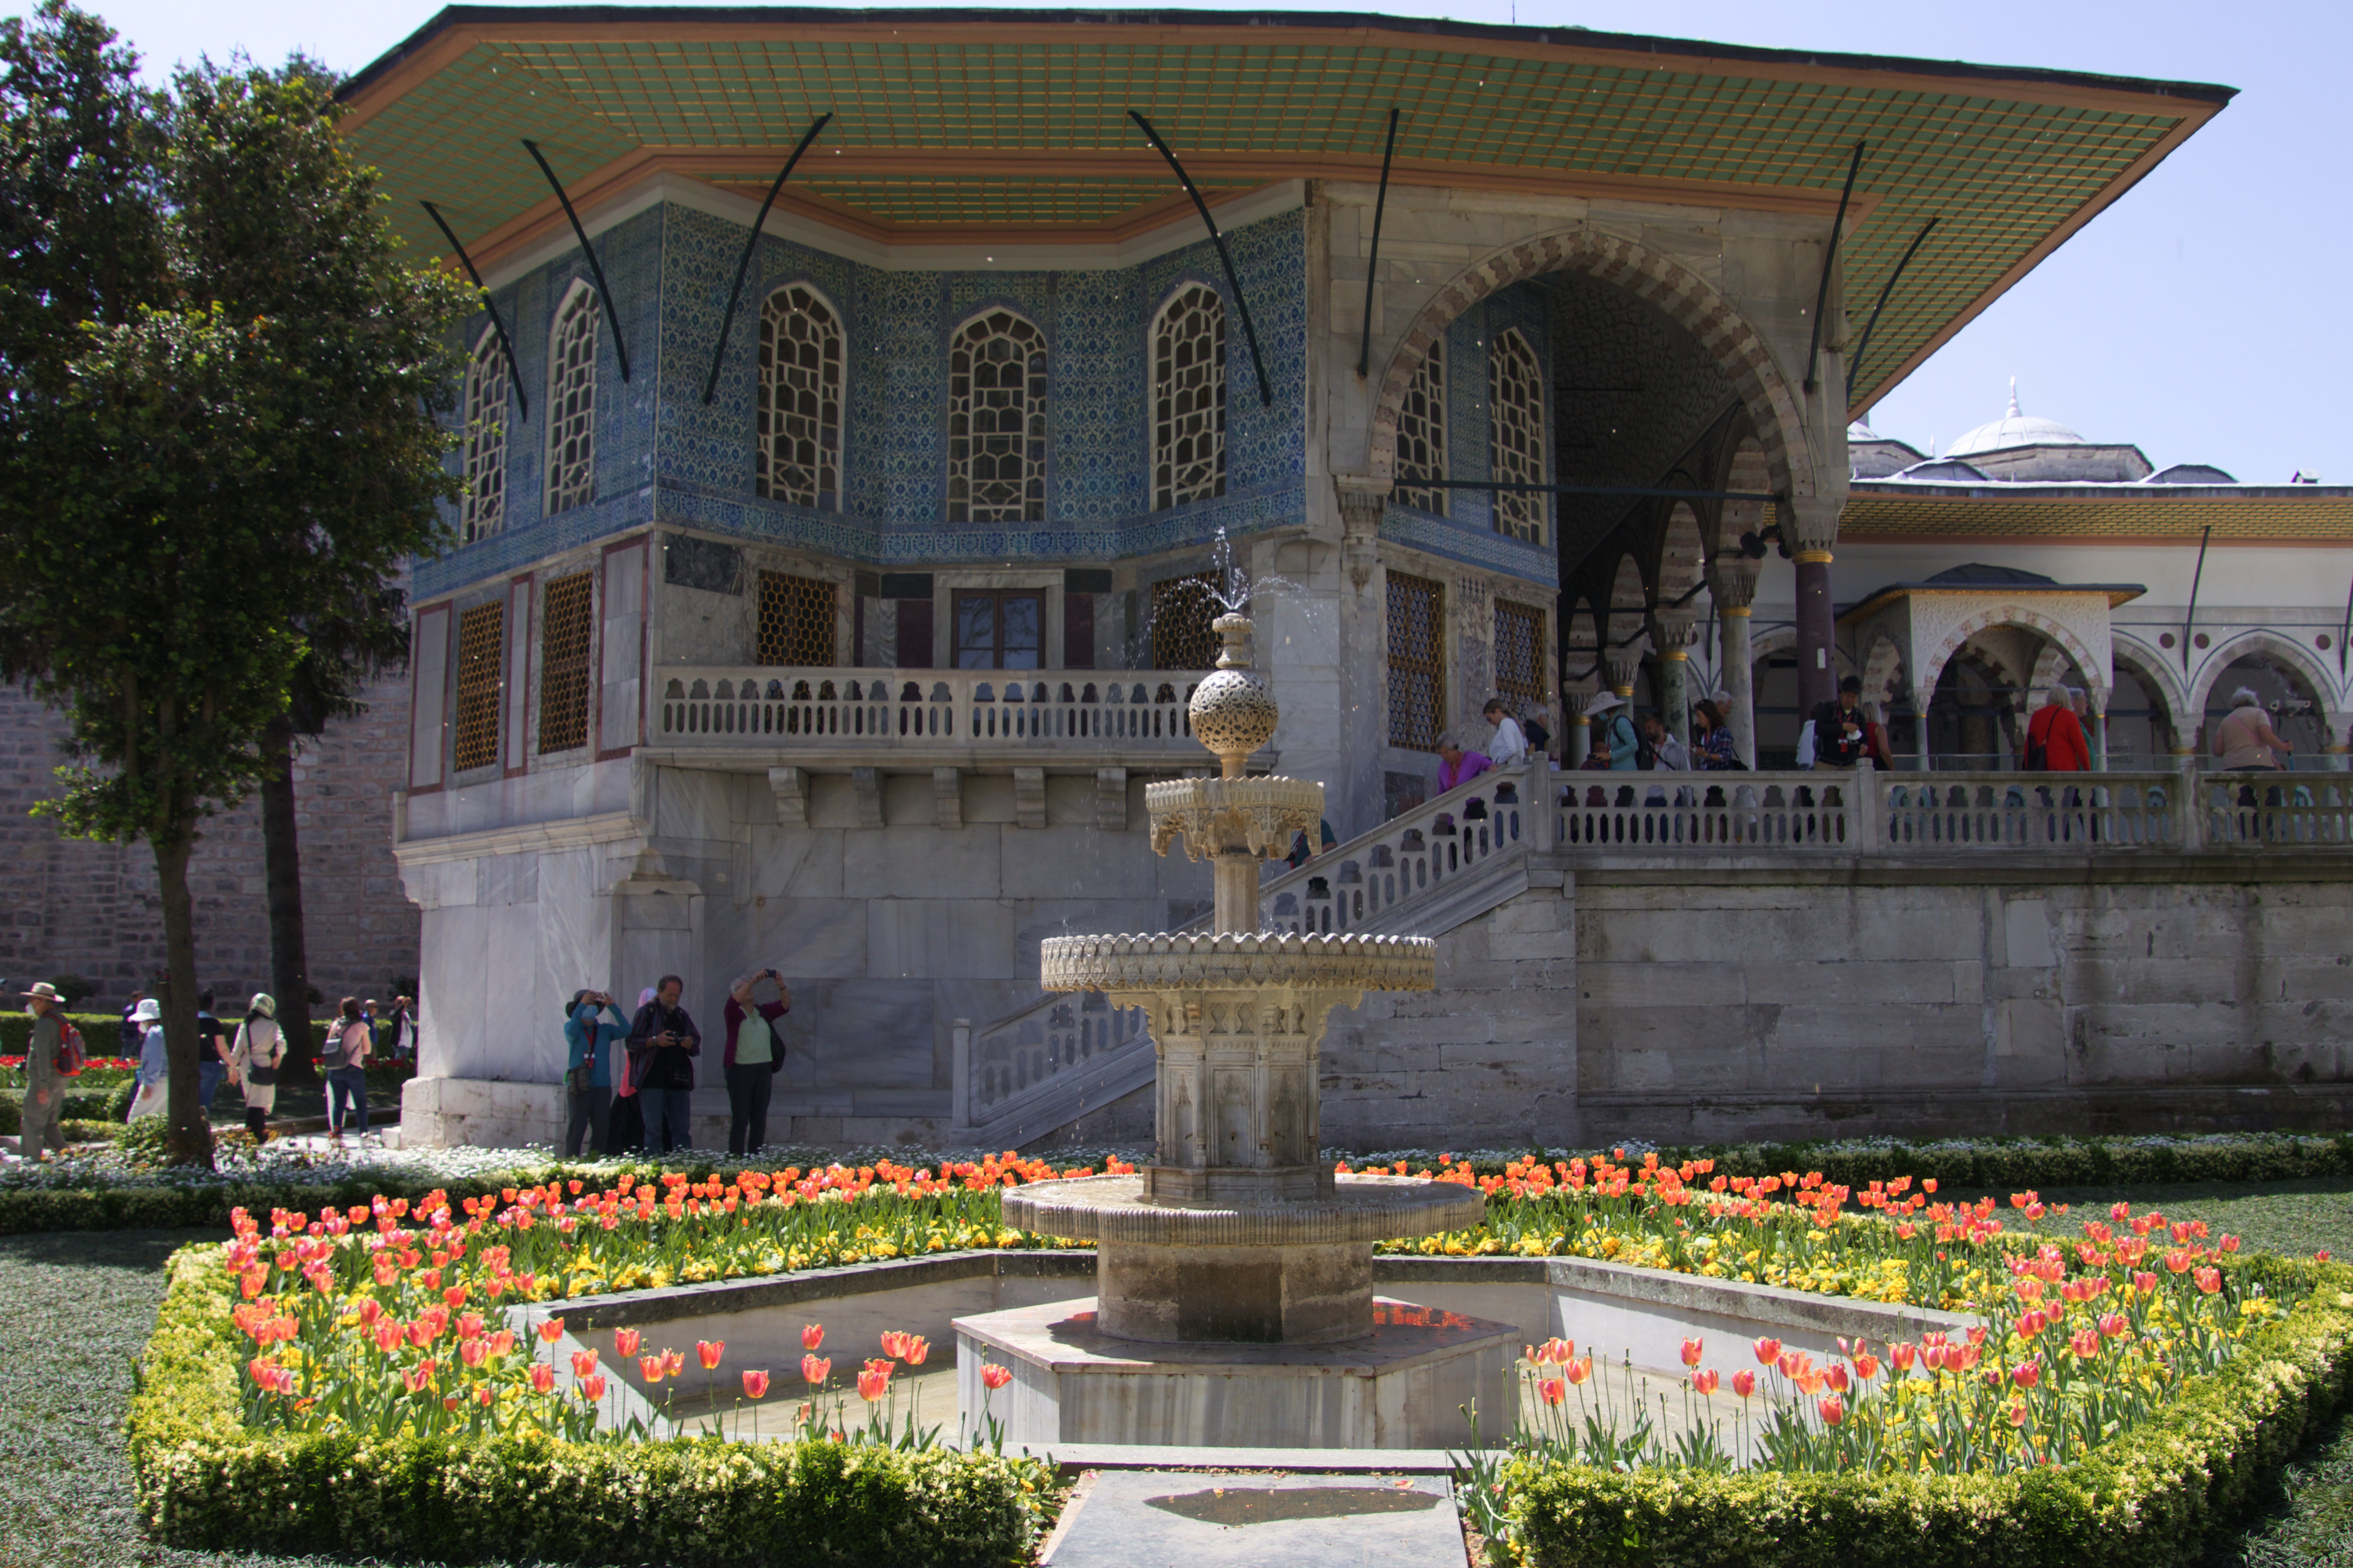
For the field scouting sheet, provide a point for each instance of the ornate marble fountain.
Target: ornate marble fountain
(1234, 1300)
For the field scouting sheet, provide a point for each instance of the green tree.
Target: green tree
(231, 441)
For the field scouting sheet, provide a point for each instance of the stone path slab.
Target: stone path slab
(1193, 1519)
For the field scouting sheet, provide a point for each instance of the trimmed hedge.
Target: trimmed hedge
(2153, 1495)
(208, 1481)
(101, 1032)
(79, 1106)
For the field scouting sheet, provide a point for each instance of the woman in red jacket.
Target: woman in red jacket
(2056, 735)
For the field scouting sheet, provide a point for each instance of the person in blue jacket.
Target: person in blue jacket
(589, 1073)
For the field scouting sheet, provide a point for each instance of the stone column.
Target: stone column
(2099, 739)
(1579, 746)
(1811, 529)
(1672, 632)
(1920, 700)
(1733, 585)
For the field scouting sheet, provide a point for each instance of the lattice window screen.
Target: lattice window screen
(800, 400)
(484, 506)
(1519, 655)
(567, 622)
(1417, 627)
(1422, 433)
(1182, 609)
(1515, 448)
(572, 405)
(796, 620)
(482, 636)
(997, 421)
(1188, 399)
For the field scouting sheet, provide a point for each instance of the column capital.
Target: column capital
(1732, 584)
(1672, 632)
(1812, 524)
(1363, 498)
(1625, 666)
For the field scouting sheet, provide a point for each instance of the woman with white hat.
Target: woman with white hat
(254, 1060)
(154, 1063)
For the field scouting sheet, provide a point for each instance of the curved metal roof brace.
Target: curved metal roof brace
(1854, 363)
(513, 369)
(1830, 259)
(1266, 389)
(1373, 256)
(750, 244)
(604, 292)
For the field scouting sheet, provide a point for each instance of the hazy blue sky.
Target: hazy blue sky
(2204, 316)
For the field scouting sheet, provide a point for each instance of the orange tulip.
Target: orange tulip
(874, 1382)
(542, 1377)
(1743, 1383)
(387, 1336)
(583, 1362)
(419, 1375)
(1707, 1381)
(2115, 1325)
(1866, 1366)
(2144, 1282)
(592, 1389)
(2018, 1414)
(917, 1349)
(474, 1353)
(894, 1343)
(2180, 1259)
(2026, 1374)
(1902, 1356)
(1690, 1352)
(817, 1368)
(1578, 1369)
(1768, 1351)
(502, 1341)
(673, 1362)
(812, 1336)
(650, 1367)
(552, 1330)
(2208, 1279)
(1835, 1376)
(756, 1385)
(1832, 1408)
(625, 1342)
(993, 1377)
(708, 1351)
(1552, 1390)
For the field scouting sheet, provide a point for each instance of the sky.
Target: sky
(2205, 316)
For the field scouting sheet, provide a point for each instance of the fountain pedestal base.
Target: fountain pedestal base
(1401, 1385)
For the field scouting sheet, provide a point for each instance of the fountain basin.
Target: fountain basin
(1342, 966)
(1401, 1383)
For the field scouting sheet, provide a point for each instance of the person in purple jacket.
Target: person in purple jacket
(756, 1054)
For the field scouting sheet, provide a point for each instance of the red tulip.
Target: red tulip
(2180, 1259)
(2208, 1279)
(1835, 1376)
(1768, 1351)
(552, 1330)
(2115, 1325)
(2321, 1256)
(2026, 1374)
(1743, 1383)
(812, 1336)
(455, 1296)
(1866, 1367)
(370, 1311)
(2229, 1242)
(1707, 1381)
(2085, 1342)
(708, 1351)
(419, 1375)
(1690, 1352)
(625, 1342)
(817, 1368)
(1833, 1410)
(469, 1327)
(387, 1336)
(542, 1377)
(994, 1376)
(592, 1388)
(420, 1333)
(1552, 1390)
(583, 1362)
(756, 1385)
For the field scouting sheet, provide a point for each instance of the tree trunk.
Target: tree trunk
(282, 861)
(190, 1139)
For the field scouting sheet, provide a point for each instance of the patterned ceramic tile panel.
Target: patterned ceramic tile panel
(661, 450)
(1473, 547)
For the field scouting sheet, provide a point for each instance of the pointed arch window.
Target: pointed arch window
(1422, 433)
(997, 421)
(482, 510)
(1188, 399)
(801, 355)
(1515, 445)
(572, 403)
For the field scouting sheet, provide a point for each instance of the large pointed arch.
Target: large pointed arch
(1689, 299)
(2093, 666)
(2316, 674)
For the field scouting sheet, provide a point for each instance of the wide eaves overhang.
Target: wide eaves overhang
(959, 126)
(2136, 512)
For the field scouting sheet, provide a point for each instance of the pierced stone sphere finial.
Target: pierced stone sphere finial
(1233, 711)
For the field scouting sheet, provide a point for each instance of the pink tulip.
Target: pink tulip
(993, 1377)
(756, 1385)
(812, 1336)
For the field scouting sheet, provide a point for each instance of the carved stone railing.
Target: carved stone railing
(1708, 813)
(924, 711)
(2022, 812)
(2252, 811)
(1042, 1066)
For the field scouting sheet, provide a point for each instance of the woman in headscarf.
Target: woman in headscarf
(154, 1061)
(253, 1062)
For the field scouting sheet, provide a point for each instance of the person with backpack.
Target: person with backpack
(754, 1055)
(344, 1057)
(254, 1061)
(588, 1072)
(41, 1128)
(1616, 735)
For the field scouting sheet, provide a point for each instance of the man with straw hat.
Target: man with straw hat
(41, 1126)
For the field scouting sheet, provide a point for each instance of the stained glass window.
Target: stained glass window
(997, 421)
(800, 400)
(1188, 399)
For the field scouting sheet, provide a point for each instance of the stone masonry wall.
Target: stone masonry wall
(81, 907)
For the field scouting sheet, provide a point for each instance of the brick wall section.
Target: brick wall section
(72, 907)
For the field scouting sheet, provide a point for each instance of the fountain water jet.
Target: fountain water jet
(1238, 1254)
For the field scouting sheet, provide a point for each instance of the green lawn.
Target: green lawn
(75, 1309)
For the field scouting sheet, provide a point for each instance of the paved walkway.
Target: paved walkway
(1195, 1519)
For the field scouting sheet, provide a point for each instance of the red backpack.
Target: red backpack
(72, 1054)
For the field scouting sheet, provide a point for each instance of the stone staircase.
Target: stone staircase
(1034, 1071)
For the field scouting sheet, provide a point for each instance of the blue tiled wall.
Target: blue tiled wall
(1466, 530)
(663, 453)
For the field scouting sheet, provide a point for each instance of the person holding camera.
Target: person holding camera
(663, 1044)
(754, 1055)
(588, 1072)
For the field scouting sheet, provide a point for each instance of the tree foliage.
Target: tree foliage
(219, 376)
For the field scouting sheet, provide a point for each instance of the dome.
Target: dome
(2014, 429)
